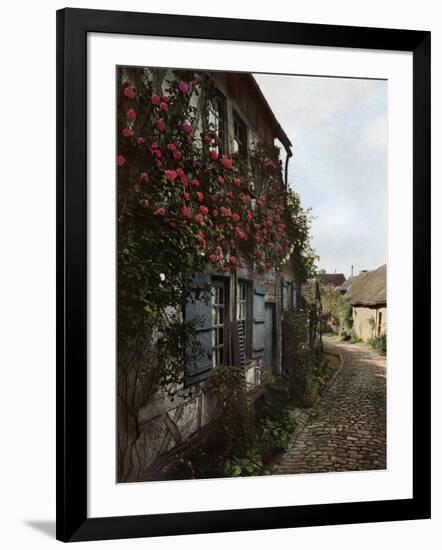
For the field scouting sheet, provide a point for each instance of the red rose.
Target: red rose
(199, 218)
(172, 224)
(279, 248)
(212, 258)
(186, 127)
(129, 92)
(154, 145)
(177, 155)
(236, 217)
(269, 223)
(204, 210)
(171, 147)
(240, 233)
(140, 140)
(164, 106)
(189, 141)
(226, 162)
(200, 197)
(184, 180)
(220, 259)
(171, 175)
(155, 99)
(237, 182)
(183, 87)
(157, 153)
(213, 198)
(233, 260)
(121, 161)
(258, 239)
(267, 266)
(247, 198)
(186, 212)
(180, 172)
(160, 212)
(249, 216)
(215, 213)
(136, 188)
(195, 182)
(131, 114)
(127, 132)
(220, 179)
(144, 176)
(160, 125)
(214, 154)
(166, 98)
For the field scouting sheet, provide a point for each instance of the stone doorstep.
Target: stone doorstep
(304, 415)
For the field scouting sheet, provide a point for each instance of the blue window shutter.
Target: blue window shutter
(198, 308)
(295, 298)
(285, 295)
(258, 325)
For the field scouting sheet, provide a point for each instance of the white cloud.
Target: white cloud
(375, 135)
(338, 128)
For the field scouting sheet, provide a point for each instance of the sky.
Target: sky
(338, 128)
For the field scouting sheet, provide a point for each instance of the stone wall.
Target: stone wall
(361, 324)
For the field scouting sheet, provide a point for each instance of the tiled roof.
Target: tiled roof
(335, 279)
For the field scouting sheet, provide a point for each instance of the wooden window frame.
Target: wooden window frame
(218, 283)
(223, 117)
(243, 146)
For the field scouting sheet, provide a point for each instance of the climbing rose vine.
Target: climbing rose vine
(174, 179)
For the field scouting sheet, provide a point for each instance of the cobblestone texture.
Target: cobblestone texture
(347, 430)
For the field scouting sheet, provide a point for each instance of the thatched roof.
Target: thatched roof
(368, 288)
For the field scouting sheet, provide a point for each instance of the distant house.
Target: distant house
(332, 279)
(367, 293)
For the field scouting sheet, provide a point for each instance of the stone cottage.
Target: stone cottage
(239, 313)
(367, 293)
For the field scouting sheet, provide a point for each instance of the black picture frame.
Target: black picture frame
(73, 25)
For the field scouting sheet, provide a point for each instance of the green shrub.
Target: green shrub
(249, 465)
(276, 432)
(379, 343)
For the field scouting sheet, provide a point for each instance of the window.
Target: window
(218, 317)
(241, 314)
(239, 136)
(218, 120)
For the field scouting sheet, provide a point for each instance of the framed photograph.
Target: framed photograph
(243, 275)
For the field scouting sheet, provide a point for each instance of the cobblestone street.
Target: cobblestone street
(347, 429)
